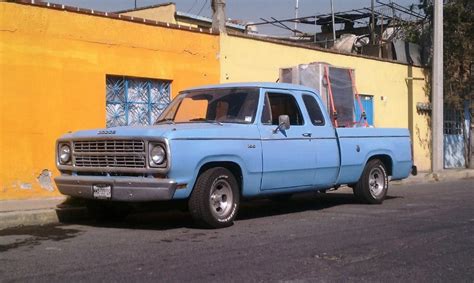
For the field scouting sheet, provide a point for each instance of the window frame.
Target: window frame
(303, 95)
(295, 100)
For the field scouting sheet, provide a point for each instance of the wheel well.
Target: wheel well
(233, 167)
(386, 160)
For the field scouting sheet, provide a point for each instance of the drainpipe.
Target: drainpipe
(218, 16)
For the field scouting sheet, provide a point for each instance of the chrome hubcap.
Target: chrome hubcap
(376, 182)
(221, 198)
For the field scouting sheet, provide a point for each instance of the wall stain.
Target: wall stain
(44, 179)
(25, 186)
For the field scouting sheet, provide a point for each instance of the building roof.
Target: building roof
(208, 20)
(144, 8)
(184, 15)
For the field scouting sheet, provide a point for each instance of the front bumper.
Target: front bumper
(123, 188)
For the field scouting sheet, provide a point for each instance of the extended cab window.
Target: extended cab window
(314, 110)
(277, 104)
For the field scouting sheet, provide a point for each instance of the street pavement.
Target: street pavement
(421, 233)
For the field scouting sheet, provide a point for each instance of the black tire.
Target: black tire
(214, 202)
(372, 186)
(103, 211)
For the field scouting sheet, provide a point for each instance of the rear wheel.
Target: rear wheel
(372, 186)
(214, 201)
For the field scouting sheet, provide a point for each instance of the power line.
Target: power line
(205, 2)
(195, 1)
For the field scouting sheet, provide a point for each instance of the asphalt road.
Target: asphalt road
(420, 233)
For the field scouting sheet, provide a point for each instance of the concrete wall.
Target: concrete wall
(52, 80)
(249, 59)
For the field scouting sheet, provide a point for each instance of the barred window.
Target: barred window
(453, 122)
(135, 101)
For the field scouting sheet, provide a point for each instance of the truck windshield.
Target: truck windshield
(229, 105)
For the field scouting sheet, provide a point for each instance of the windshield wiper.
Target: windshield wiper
(167, 120)
(206, 120)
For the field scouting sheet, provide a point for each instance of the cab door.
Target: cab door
(324, 141)
(288, 156)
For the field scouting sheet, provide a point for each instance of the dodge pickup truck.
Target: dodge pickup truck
(216, 144)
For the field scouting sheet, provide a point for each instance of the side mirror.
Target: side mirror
(283, 123)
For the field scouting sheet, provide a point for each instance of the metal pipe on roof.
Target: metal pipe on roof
(296, 15)
(333, 22)
(315, 29)
(372, 24)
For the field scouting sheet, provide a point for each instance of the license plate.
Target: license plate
(102, 191)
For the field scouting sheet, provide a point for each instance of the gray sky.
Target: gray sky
(248, 10)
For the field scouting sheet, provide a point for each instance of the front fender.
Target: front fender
(188, 158)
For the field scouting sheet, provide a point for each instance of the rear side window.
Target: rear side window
(277, 104)
(314, 110)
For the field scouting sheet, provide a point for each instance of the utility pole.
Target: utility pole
(218, 16)
(296, 15)
(333, 20)
(437, 89)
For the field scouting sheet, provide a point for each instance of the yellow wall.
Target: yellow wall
(248, 59)
(52, 80)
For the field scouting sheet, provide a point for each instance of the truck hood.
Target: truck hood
(170, 131)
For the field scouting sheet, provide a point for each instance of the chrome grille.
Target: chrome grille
(136, 146)
(109, 154)
(123, 161)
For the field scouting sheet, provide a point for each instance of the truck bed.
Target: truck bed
(357, 145)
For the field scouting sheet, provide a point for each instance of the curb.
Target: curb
(443, 176)
(40, 217)
(26, 218)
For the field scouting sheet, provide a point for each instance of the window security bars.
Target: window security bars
(135, 101)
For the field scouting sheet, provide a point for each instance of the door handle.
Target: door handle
(307, 135)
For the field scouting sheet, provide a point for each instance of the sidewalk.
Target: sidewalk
(445, 175)
(14, 213)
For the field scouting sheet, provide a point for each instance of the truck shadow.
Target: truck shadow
(298, 203)
(166, 219)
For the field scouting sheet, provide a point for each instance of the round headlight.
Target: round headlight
(157, 155)
(64, 153)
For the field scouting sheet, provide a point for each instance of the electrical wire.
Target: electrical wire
(192, 7)
(205, 2)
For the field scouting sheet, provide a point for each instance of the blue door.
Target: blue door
(289, 158)
(367, 102)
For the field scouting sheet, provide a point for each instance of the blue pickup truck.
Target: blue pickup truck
(216, 144)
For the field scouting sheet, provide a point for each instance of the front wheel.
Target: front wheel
(214, 201)
(373, 184)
